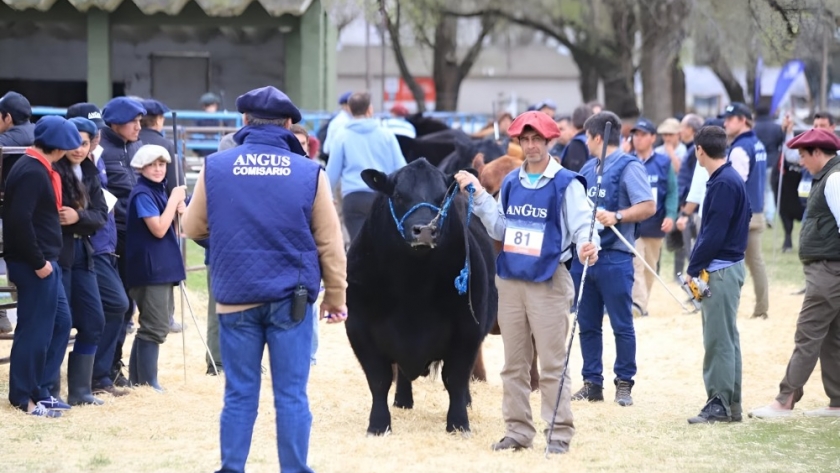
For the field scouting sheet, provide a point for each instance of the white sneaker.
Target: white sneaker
(823, 412)
(768, 412)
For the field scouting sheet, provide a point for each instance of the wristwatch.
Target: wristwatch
(618, 217)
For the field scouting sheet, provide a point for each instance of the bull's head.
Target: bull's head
(420, 197)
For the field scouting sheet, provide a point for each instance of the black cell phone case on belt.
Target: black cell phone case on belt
(299, 303)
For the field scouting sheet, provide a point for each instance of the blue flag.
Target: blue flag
(790, 71)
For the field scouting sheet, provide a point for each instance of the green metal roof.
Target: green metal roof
(220, 8)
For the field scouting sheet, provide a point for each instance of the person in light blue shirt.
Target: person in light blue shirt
(363, 144)
(338, 122)
(398, 124)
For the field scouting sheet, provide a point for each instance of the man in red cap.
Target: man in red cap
(818, 328)
(542, 211)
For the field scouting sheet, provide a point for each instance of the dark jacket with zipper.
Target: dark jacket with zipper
(117, 154)
(91, 219)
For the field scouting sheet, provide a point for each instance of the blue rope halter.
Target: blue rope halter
(461, 281)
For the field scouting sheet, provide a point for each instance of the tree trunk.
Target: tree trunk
(662, 23)
(619, 94)
(588, 78)
(394, 32)
(678, 93)
(733, 88)
(445, 70)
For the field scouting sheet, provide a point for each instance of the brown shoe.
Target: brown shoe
(507, 443)
(112, 390)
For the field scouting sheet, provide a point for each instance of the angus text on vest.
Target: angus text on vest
(262, 164)
(527, 210)
(601, 195)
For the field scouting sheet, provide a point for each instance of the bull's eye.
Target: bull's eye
(397, 197)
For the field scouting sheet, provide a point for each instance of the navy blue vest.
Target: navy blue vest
(608, 200)
(758, 168)
(580, 137)
(533, 241)
(657, 167)
(259, 209)
(150, 260)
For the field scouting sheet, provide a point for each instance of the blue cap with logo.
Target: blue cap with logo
(267, 103)
(645, 125)
(737, 109)
(344, 98)
(121, 110)
(55, 132)
(88, 111)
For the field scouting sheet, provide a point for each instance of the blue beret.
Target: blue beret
(267, 103)
(16, 105)
(154, 107)
(345, 97)
(55, 132)
(84, 125)
(121, 110)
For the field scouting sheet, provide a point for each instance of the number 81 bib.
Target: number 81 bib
(524, 239)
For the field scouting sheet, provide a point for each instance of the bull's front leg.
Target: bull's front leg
(378, 373)
(456, 378)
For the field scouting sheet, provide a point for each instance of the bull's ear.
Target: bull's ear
(378, 181)
(478, 162)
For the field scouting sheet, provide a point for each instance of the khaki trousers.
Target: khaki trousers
(542, 310)
(817, 334)
(650, 249)
(755, 263)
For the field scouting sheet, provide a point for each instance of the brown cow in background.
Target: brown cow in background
(491, 176)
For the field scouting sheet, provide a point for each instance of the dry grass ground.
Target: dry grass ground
(178, 431)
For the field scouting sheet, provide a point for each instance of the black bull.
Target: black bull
(401, 296)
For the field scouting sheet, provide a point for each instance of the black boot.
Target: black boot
(133, 361)
(147, 367)
(79, 374)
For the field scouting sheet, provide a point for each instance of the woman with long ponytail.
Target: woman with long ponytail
(83, 212)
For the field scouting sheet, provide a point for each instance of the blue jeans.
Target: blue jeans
(82, 291)
(609, 283)
(114, 306)
(41, 335)
(243, 336)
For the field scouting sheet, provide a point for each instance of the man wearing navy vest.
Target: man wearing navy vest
(274, 234)
(575, 154)
(542, 212)
(748, 157)
(663, 186)
(624, 200)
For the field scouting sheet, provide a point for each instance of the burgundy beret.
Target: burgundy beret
(539, 121)
(815, 138)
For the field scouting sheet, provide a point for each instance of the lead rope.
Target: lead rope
(463, 282)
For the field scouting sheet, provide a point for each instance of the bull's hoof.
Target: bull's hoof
(404, 404)
(379, 432)
(461, 427)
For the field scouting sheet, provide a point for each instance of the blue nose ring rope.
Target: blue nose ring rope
(462, 280)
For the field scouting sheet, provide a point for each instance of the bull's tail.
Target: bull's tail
(434, 369)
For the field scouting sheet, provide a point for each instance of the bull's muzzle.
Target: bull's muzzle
(423, 235)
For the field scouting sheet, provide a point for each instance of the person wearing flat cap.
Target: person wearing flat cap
(625, 200)
(152, 259)
(120, 141)
(151, 133)
(338, 122)
(273, 236)
(32, 239)
(83, 213)
(652, 231)
(541, 213)
(818, 327)
(15, 128)
(749, 158)
(113, 295)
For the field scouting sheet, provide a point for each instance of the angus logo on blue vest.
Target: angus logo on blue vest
(601, 195)
(262, 165)
(527, 210)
